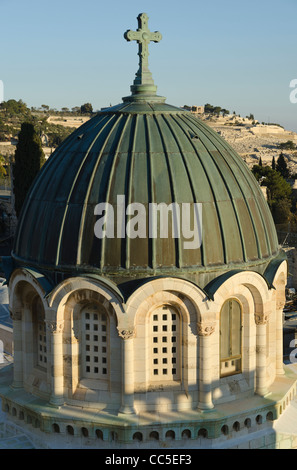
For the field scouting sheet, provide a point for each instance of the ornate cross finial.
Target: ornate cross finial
(143, 83)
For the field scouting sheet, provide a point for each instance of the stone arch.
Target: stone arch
(279, 299)
(23, 286)
(69, 302)
(186, 291)
(251, 290)
(279, 284)
(253, 281)
(190, 305)
(60, 295)
(29, 310)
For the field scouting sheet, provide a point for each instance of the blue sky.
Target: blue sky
(241, 55)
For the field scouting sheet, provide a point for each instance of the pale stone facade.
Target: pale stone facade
(157, 352)
(136, 340)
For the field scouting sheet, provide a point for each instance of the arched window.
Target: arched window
(95, 343)
(165, 337)
(230, 338)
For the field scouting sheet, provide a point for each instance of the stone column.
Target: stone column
(261, 354)
(17, 349)
(205, 330)
(279, 337)
(127, 371)
(57, 376)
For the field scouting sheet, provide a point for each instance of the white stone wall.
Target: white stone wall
(130, 386)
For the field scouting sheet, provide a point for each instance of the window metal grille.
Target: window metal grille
(165, 344)
(95, 344)
(230, 338)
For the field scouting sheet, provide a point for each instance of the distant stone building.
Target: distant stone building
(123, 339)
(195, 109)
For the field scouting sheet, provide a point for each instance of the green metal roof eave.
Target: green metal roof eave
(273, 266)
(216, 283)
(42, 280)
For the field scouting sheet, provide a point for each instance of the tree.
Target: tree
(29, 158)
(3, 167)
(45, 107)
(282, 167)
(13, 107)
(86, 108)
(289, 145)
(273, 163)
(260, 162)
(217, 110)
(278, 192)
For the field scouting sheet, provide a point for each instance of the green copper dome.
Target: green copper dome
(147, 152)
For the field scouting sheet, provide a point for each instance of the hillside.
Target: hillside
(254, 141)
(249, 138)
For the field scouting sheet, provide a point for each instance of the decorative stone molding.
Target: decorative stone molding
(261, 319)
(83, 295)
(54, 327)
(205, 329)
(261, 349)
(126, 334)
(16, 316)
(280, 304)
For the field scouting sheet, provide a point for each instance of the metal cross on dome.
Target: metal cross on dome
(143, 36)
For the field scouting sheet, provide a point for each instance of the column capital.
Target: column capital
(16, 315)
(280, 304)
(205, 328)
(261, 318)
(126, 333)
(54, 327)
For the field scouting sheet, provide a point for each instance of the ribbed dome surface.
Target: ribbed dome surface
(148, 152)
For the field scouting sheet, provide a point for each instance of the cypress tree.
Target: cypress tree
(282, 167)
(273, 163)
(29, 158)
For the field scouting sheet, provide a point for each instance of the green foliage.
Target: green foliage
(29, 158)
(86, 108)
(57, 134)
(289, 145)
(3, 167)
(278, 192)
(273, 166)
(13, 107)
(208, 108)
(282, 167)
